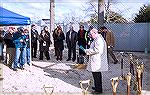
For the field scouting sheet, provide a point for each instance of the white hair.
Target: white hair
(94, 31)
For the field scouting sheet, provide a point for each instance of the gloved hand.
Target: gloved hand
(81, 47)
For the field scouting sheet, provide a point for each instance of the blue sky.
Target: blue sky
(38, 9)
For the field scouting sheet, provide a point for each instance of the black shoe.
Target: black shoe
(35, 57)
(10, 66)
(14, 69)
(28, 64)
(68, 59)
(96, 92)
(57, 59)
(116, 62)
(93, 88)
(73, 60)
(60, 59)
(21, 68)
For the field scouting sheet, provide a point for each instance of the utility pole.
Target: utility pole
(52, 17)
(100, 13)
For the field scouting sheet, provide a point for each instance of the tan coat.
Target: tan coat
(98, 55)
(110, 38)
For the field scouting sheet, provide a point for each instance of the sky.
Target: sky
(39, 9)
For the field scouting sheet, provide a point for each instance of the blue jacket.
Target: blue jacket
(16, 39)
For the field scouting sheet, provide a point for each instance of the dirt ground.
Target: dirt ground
(60, 77)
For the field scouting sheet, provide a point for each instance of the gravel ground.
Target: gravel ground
(64, 79)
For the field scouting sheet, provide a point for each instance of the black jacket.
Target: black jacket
(44, 42)
(71, 42)
(8, 39)
(59, 43)
(34, 36)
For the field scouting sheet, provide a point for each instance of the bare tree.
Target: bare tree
(109, 15)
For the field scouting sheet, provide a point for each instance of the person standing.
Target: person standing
(71, 40)
(109, 38)
(1, 43)
(88, 38)
(54, 37)
(28, 46)
(97, 59)
(19, 39)
(10, 46)
(60, 37)
(34, 41)
(44, 40)
(81, 39)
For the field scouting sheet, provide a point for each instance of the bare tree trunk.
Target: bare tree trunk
(100, 13)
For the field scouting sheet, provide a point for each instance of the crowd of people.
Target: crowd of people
(17, 47)
(17, 42)
(93, 43)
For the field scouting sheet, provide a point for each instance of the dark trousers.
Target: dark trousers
(110, 51)
(34, 50)
(46, 54)
(97, 81)
(59, 53)
(70, 51)
(55, 48)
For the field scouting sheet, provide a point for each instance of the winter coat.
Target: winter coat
(16, 40)
(54, 36)
(59, 43)
(82, 40)
(8, 39)
(34, 36)
(44, 42)
(71, 42)
(98, 55)
(28, 40)
(109, 38)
